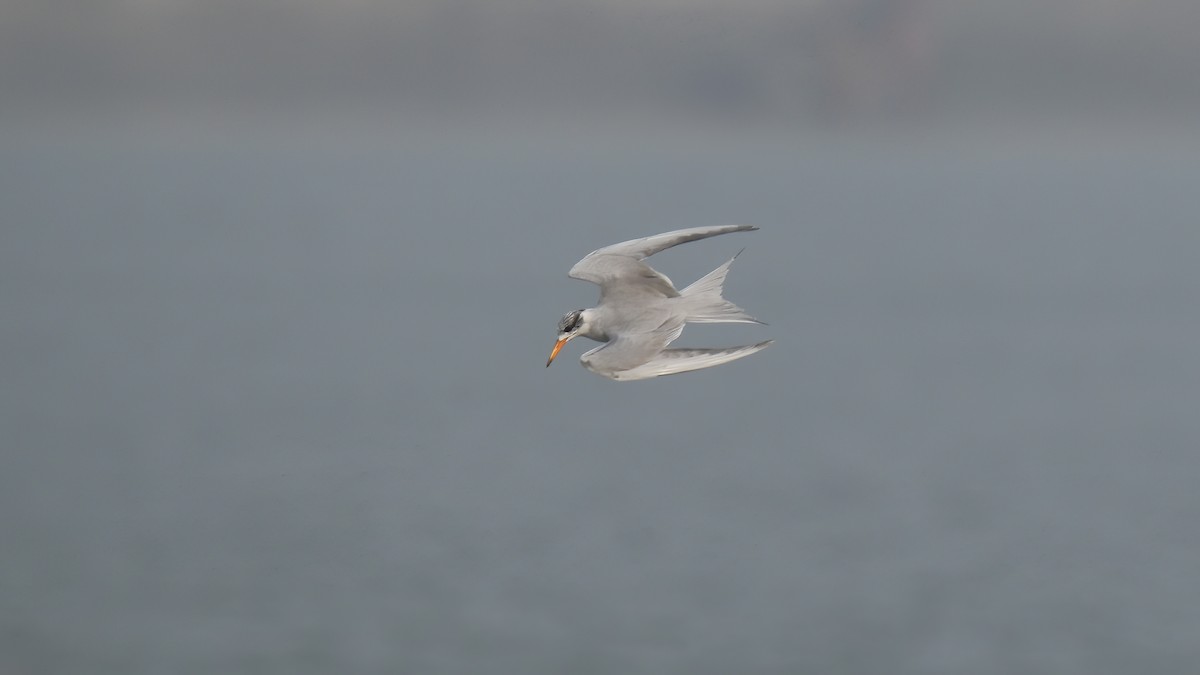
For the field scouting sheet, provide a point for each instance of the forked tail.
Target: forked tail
(704, 301)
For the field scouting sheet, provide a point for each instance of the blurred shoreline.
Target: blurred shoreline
(817, 67)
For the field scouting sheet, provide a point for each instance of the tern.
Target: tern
(640, 312)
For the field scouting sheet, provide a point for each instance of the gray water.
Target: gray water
(274, 407)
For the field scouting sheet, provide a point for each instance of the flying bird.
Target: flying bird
(640, 312)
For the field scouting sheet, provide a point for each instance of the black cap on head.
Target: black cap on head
(570, 321)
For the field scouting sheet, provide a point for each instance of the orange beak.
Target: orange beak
(557, 348)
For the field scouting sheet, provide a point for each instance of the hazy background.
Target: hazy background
(277, 281)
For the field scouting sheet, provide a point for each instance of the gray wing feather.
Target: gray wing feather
(622, 275)
(671, 361)
(623, 262)
(648, 246)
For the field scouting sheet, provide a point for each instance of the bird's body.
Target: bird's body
(641, 312)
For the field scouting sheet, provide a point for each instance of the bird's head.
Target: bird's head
(570, 325)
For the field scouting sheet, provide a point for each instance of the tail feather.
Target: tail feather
(705, 304)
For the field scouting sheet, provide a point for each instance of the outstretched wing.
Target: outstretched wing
(621, 264)
(671, 361)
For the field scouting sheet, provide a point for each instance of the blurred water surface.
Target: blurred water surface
(280, 407)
